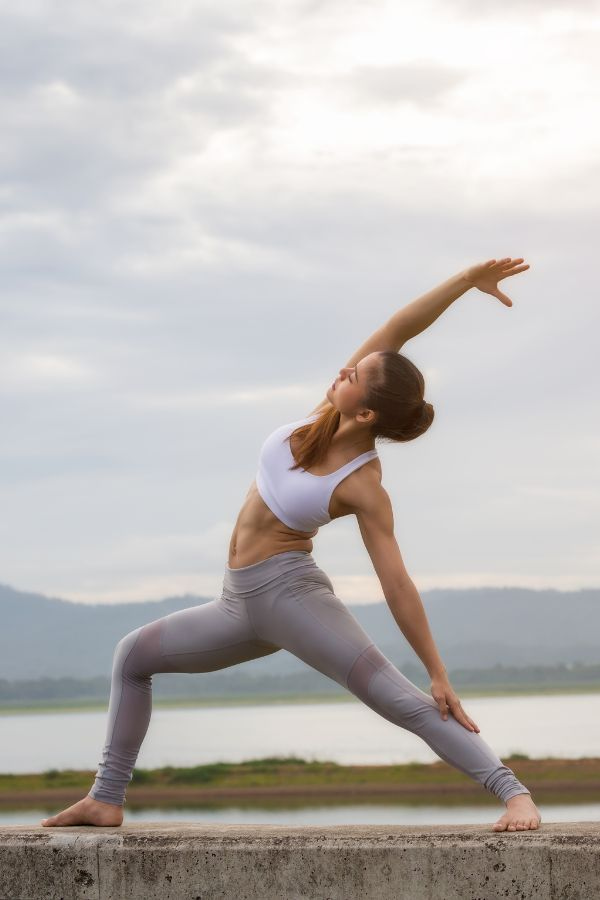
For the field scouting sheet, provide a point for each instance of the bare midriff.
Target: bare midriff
(259, 534)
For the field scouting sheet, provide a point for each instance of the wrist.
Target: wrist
(464, 281)
(438, 672)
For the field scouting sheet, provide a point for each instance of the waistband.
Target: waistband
(249, 578)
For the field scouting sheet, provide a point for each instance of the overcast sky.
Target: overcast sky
(206, 208)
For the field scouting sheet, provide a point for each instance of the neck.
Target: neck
(349, 435)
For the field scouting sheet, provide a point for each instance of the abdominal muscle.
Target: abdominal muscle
(258, 533)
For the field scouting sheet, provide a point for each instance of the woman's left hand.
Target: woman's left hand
(485, 276)
(446, 699)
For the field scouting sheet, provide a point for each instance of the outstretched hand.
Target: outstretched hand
(446, 699)
(486, 276)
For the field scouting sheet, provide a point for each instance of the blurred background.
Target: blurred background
(204, 210)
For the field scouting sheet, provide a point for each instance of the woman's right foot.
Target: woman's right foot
(88, 812)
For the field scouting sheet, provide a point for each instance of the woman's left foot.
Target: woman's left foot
(521, 814)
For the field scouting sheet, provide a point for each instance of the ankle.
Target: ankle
(103, 803)
(516, 798)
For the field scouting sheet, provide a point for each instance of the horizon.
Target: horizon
(208, 598)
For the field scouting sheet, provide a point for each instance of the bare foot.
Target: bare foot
(88, 812)
(521, 814)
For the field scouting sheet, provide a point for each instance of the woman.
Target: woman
(274, 595)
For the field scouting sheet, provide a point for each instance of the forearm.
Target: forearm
(419, 315)
(409, 613)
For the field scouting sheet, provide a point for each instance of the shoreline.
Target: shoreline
(233, 700)
(277, 781)
(562, 792)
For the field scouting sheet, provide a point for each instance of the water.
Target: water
(561, 725)
(358, 814)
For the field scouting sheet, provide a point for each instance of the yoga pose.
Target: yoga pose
(274, 596)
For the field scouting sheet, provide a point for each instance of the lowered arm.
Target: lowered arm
(376, 522)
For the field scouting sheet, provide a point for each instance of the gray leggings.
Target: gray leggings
(285, 601)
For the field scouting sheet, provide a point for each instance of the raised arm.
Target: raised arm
(418, 315)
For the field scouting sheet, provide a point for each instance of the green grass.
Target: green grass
(289, 771)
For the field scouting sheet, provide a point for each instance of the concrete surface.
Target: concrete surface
(178, 861)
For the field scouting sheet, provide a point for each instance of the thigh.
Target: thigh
(310, 621)
(211, 636)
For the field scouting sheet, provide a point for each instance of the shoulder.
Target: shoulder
(372, 506)
(362, 490)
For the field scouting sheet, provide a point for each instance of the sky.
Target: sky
(206, 208)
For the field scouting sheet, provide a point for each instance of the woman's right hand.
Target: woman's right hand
(485, 276)
(447, 700)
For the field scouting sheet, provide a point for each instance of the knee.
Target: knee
(123, 649)
(404, 701)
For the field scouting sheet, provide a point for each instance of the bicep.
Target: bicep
(376, 523)
(385, 338)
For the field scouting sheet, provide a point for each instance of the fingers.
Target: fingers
(451, 702)
(508, 263)
(514, 270)
(503, 298)
(470, 724)
(461, 716)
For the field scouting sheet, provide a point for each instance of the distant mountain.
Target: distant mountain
(474, 628)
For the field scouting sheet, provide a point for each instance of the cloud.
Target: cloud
(204, 211)
(112, 50)
(424, 84)
(522, 7)
(44, 372)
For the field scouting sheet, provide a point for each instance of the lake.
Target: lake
(356, 814)
(560, 725)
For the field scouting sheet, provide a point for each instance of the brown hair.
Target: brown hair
(396, 395)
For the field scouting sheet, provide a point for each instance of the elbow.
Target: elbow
(401, 591)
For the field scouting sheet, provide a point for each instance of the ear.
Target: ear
(368, 416)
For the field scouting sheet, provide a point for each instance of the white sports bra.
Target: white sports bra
(298, 498)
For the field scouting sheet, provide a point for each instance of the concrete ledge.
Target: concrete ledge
(178, 861)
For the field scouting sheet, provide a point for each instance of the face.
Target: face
(348, 390)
